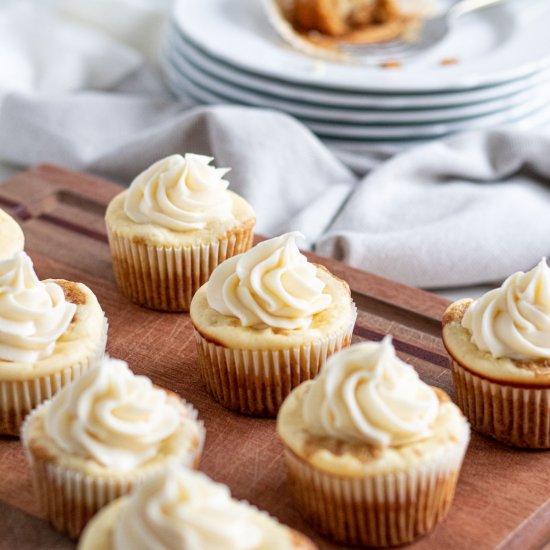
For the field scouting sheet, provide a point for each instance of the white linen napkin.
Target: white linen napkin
(470, 209)
(41, 50)
(466, 210)
(136, 23)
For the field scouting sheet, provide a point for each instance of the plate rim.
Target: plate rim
(357, 101)
(184, 66)
(481, 78)
(221, 100)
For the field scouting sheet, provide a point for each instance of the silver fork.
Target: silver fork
(431, 32)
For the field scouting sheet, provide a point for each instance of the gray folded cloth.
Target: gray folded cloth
(465, 210)
(470, 209)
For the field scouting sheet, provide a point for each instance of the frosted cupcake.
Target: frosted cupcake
(172, 227)
(11, 236)
(500, 356)
(100, 437)
(50, 333)
(266, 321)
(181, 509)
(373, 453)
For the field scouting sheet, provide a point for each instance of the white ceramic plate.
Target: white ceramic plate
(184, 86)
(495, 45)
(179, 45)
(393, 146)
(211, 81)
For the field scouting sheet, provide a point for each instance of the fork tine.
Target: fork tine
(382, 54)
(378, 45)
(381, 49)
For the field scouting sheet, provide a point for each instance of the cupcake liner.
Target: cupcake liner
(166, 278)
(256, 382)
(514, 415)
(19, 397)
(382, 510)
(69, 498)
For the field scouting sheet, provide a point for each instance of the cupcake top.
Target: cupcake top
(185, 509)
(182, 193)
(505, 334)
(178, 201)
(112, 417)
(367, 412)
(366, 394)
(273, 293)
(514, 320)
(33, 314)
(11, 236)
(271, 285)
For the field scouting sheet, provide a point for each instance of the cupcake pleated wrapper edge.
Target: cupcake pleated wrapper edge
(69, 498)
(383, 510)
(256, 382)
(19, 397)
(165, 278)
(511, 414)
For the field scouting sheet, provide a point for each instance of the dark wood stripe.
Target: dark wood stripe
(8, 202)
(405, 347)
(75, 228)
(16, 209)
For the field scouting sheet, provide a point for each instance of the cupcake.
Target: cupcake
(11, 236)
(266, 321)
(182, 509)
(500, 359)
(50, 333)
(373, 453)
(100, 437)
(172, 227)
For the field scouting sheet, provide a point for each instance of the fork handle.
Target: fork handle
(467, 6)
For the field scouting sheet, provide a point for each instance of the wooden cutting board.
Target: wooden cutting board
(503, 496)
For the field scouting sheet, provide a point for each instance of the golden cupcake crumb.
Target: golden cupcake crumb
(391, 64)
(449, 61)
(71, 291)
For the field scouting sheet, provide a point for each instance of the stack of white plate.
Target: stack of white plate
(226, 51)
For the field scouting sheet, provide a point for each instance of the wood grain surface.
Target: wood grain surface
(503, 496)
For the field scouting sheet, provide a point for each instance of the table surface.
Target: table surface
(502, 499)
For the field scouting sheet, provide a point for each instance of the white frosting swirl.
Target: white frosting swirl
(272, 284)
(185, 509)
(111, 416)
(514, 320)
(12, 239)
(366, 394)
(180, 193)
(33, 314)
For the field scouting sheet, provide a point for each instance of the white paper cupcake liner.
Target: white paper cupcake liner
(166, 278)
(19, 397)
(256, 382)
(69, 498)
(514, 415)
(382, 510)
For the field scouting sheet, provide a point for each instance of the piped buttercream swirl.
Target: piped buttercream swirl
(185, 509)
(12, 239)
(112, 416)
(33, 314)
(366, 394)
(271, 285)
(514, 320)
(180, 193)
